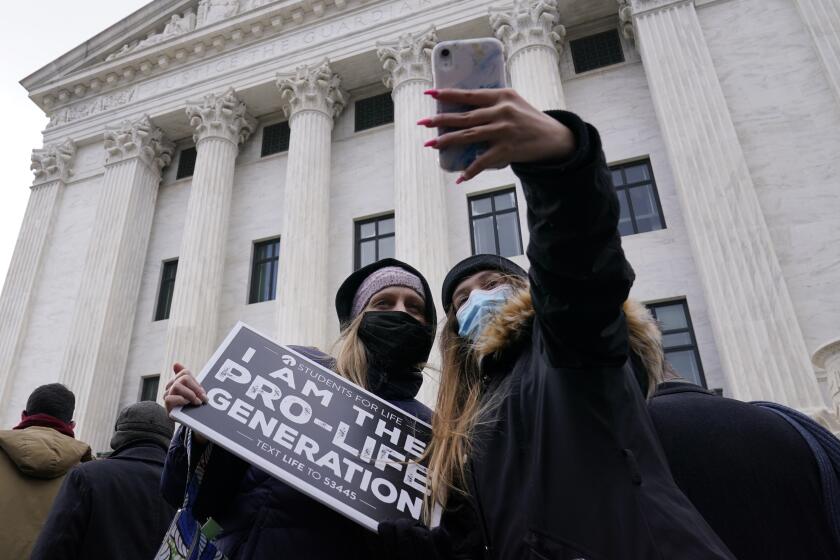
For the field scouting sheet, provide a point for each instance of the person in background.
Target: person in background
(540, 431)
(34, 458)
(112, 508)
(747, 470)
(388, 324)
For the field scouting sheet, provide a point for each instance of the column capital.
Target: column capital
(141, 139)
(625, 19)
(221, 116)
(408, 58)
(528, 23)
(312, 88)
(53, 162)
(827, 355)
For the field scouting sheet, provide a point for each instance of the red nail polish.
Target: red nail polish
(433, 92)
(424, 122)
(460, 180)
(431, 143)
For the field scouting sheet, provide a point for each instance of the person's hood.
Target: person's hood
(514, 319)
(43, 452)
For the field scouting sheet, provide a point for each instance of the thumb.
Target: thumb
(177, 367)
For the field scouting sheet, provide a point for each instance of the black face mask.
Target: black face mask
(397, 344)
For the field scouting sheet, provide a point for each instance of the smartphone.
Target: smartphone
(468, 64)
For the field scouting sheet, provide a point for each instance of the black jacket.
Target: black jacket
(264, 518)
(747, 470)
(570, 467)
(110, 508)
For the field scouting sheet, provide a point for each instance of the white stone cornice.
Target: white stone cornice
(527, 24)
(140, 139)
(408, 58)
(186, 37)
(312, 88)
(221, 116)
(53, 162)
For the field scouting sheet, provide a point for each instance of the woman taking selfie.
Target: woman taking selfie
(542, 445)
(388, 326)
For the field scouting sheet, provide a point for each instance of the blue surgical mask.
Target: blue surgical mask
(479, 309)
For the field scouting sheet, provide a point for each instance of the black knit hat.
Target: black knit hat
(347, 290)
(471, 265)
(145, 420)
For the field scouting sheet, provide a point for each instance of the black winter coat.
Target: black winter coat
(110, 508)
(264, 518)
(570, 466)
(747, 470)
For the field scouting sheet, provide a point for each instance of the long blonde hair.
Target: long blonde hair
(351, 355)
(461, 407)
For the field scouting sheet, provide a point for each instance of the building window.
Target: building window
(167, 287)
(494, 224)
(149, 388)
(275, 139)
(596, 51)
(186, 163)
(374, 111)
(678, 339)
(641, 210)
(264, 271)
(374, 240)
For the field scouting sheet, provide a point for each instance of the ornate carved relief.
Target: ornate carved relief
(528, 23)
(221, 116)
(407, 58)
(53, 162)
(211, 11)
(178, 25)
(139, 139)
(312, 88)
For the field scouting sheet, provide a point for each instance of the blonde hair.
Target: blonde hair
(461, 407)
(646, 342)
(351, 355)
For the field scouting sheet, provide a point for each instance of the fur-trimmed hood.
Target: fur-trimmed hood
(514, 320)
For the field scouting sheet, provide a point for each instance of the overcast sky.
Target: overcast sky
(36, 33)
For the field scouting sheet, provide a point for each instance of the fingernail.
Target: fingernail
(432, 92)
(460, 180)
(431, 143)
(425, 122)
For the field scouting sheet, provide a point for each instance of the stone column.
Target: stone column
(827, 357)
(312, 98)
(533, 38)
(53, 166)
(420, 218)
(221, 123)
(98, 339)
(422, 238)
(822, 18)
(757, 332)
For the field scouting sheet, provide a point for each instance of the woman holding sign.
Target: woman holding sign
(388, 323)
(541, 434)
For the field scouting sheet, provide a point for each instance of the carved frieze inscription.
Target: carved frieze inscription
(281, 45)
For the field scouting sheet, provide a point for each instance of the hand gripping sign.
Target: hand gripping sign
(312, 429)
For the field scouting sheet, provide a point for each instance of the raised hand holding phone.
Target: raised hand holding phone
(469, 64)
(487, 128)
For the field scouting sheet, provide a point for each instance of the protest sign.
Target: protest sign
(311, 428)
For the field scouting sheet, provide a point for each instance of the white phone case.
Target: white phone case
(468, 64)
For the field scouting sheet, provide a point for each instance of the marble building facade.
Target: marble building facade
(734, 103)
